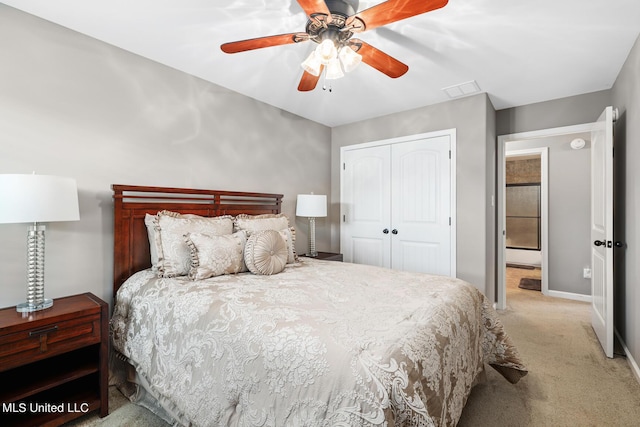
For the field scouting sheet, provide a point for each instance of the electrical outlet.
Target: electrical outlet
(586, 273)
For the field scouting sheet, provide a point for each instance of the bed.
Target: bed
(281, 340)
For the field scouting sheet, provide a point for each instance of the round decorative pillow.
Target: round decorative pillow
(266, 252)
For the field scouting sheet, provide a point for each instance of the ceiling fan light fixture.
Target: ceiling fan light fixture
(326, 51)
(312, 64)
(350, 58)
(334, 71)
(331, 24)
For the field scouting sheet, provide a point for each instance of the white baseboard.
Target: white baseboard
(569, 295)
(632, 363)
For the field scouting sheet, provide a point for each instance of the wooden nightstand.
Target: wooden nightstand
(53, 363)
(326, 256)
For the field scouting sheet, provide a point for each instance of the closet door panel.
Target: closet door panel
(420, 206)
(417, 256)
(365, 206)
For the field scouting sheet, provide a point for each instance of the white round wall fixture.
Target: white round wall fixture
(577, 143)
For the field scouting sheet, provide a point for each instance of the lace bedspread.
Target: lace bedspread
(321, 344)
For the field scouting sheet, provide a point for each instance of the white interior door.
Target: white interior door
(366, 213)
(602, 230)
(420, 206)
(398, 203)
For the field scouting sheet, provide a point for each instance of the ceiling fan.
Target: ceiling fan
(332, 24)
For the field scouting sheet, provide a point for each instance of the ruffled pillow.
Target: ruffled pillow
(215, 255)
(266, 252)
(153, 244)
(253, 223)
(174, 257)
(279, 222)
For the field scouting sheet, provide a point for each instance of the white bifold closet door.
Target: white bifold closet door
(396, 205)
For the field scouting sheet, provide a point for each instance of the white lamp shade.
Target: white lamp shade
(311, 205)
(326, 51)
(312, 64)
(37, 198)
(349, 58)
(333, 70)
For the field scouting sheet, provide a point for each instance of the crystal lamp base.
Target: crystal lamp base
(26, 307)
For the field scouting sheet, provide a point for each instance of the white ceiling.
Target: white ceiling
(518, 51)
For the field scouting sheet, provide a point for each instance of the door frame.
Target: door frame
(451, 133)
(501, 284)
(544, 210)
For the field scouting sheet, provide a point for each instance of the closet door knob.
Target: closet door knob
(394, 231)
(385, 231)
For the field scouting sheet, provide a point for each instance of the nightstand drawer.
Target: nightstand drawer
(48, 340)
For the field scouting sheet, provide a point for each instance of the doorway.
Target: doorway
(526, 213)
(565, 212)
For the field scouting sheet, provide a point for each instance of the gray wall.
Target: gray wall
(74, 106)
(569, 111)
(626, 98)
(490, 201)
(474, 120)
(569, 210)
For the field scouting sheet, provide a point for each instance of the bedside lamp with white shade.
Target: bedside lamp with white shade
(35, 199)
(312, 206)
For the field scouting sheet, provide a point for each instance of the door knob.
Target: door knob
(385, 231)
(394, 231)
(599, 243)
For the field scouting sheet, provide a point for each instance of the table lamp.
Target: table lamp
(312, 206)
(35, 199)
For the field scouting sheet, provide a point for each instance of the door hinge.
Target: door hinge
(344, 166)
(344, 218)
(449, 220)
(449, 154)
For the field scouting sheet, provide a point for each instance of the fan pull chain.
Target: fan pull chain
(324, 82)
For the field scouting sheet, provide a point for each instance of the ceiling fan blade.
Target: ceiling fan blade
(314, 6)
(261, 42)
(379, 60)
(395, 10)
(309, 81)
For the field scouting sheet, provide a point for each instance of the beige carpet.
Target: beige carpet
(570, 381)
(122, 413)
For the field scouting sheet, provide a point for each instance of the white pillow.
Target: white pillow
(153, 245)
(289, 236)
(253, 223)
(278, 222)
(215, 255)
(266, 252)
(150, 222)
(174, 257)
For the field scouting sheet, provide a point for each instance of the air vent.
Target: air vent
(462, 89)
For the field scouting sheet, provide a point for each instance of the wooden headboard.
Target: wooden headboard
(131, 203)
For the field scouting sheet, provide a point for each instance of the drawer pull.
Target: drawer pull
(42, 333)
